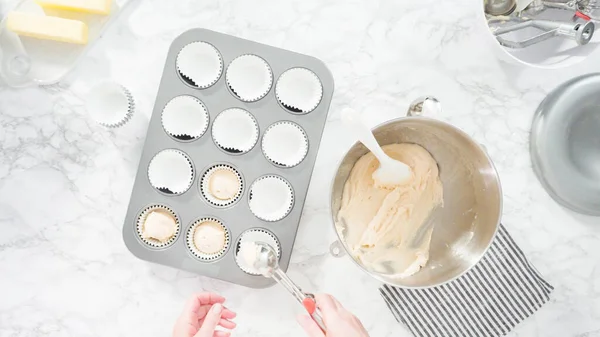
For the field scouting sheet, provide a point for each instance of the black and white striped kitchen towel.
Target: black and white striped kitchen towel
(488, 301)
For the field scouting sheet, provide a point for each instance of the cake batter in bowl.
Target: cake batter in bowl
(465, 222)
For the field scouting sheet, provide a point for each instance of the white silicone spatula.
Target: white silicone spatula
(391, 172)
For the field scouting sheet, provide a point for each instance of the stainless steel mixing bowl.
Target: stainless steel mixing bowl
(565, 144)
(467, 223)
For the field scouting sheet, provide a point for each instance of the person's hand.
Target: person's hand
(202, 314)
(339, 322)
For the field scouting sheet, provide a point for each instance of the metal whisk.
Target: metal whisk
(582, 8)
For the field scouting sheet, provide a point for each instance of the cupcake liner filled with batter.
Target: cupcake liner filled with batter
(245, 248)
(285, 144)
(221, 185)
(299, 90)
(171, 172)
(271, 198)
(185, 118)
(199, 64)
(249, 77)
(235, 131)
(208, 239)
(158, 226)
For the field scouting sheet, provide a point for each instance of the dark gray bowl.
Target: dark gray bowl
(565, 144)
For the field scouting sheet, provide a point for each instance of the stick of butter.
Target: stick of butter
(47, 27)
(86, 6)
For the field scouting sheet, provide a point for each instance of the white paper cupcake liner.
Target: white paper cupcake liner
(208, 181)
(235, 131)
(285, 144)
(110, 104)
(249, 77)
(199, 64)
(255, 235)
(185, 118)
(171, 172)
(197, 251)
(153, 243)
(271, 198)
(299, 90)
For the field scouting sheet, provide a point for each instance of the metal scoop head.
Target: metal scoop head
(266, 259)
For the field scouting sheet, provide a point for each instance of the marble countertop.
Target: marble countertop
(65, 181)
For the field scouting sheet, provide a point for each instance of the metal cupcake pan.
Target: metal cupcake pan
(204, 153)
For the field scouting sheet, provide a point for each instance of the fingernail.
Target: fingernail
(217, 308)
